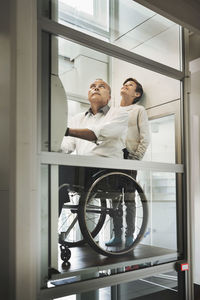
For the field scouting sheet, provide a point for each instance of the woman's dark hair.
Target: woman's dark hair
(139, 88)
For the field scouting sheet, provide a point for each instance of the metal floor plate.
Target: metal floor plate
(84, 260)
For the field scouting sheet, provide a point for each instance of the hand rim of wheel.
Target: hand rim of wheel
(87, 235)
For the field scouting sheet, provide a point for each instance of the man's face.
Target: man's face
(129, 90)
(99, 93)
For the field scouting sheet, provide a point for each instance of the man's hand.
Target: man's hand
(85, 134)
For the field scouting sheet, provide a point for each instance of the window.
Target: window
(104, 40)
(77, 5)
(89, 15)
(126, 24)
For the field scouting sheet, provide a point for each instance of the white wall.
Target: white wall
(163, 47)
(158, 89)
(80, 68)
(162, 140)
(84, 72)
(195, 163)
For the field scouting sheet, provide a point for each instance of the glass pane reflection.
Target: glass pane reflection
(127, 24)
(162, 141)
(160, 189)
(160, 286)
(71, 63)
(71, 185)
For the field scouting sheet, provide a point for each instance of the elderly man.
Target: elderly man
(101, 131)
(137, 142)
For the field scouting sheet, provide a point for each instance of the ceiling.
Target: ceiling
(183, 12)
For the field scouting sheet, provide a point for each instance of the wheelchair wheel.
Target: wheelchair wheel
(125, 213)
(68, 228)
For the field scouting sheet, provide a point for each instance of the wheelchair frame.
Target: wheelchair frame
(116, 182)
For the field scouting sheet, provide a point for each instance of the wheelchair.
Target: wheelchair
(94, 211)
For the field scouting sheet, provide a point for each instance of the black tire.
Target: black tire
(111, 184)
(72, 221)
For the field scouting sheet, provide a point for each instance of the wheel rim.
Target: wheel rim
(118, 206)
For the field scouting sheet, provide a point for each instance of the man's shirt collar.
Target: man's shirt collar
(102, 110)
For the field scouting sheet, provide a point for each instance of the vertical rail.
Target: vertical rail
(186, 113)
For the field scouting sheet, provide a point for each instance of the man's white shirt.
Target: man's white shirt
(109, 126)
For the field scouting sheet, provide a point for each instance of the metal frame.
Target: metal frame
(165, 258)
(84, 24)
(100, 162)
(85, 20)
(186, 131)
(100, 282)
(52, 27)
(107, 48)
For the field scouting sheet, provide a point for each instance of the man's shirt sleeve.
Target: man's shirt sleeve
(115, 127)
(68, 144)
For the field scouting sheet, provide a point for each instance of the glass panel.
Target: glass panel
(162, 225)
(126, 24)
(161, 286)
(73, 69)
(89, 207)
(101, 294)
(93, 14)
(162, 140)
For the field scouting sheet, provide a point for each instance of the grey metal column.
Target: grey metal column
(90, 295)
(116, 290)
(113, 287)
(186, 96)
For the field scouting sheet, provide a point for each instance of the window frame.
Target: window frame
(52, 27)
(86, 21)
